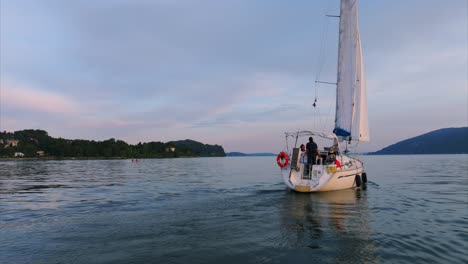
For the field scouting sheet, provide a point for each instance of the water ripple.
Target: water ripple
(234, 210)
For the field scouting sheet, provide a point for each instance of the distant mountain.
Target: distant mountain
(240, 154)
(235, 154)
(442, 141)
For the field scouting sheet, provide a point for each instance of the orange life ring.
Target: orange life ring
(281, 156)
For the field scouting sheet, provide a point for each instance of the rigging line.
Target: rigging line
(322, 56)
(328, 118)
(316, 109)
(321, 60)
(357, 144)
(318, 128)
(324, 123)
(323, 39)
(315, 114)
(322, 51)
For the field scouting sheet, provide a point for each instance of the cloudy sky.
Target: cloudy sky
(238, 73)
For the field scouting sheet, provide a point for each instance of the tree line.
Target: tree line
(30, 142)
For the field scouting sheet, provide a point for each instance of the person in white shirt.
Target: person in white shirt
(303, 159)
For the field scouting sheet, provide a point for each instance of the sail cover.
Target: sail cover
(351, 106)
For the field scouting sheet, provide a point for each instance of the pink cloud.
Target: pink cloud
(110, 123)
(9, 124)
(260, 85)
(269, 85)
(20, 97)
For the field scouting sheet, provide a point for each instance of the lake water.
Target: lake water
(231, 210)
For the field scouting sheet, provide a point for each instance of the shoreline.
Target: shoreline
(64, 158)
(99, 158)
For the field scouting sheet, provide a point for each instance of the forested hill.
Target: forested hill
(34, 143)
(442, 141)
(198, 149)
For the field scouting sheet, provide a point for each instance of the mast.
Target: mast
(338, 69)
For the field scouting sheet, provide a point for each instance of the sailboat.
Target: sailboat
(335, 169)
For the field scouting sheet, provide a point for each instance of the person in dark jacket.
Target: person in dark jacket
(312, 151)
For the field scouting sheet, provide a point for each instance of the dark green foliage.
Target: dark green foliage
(442, 141)
(31, 141)
(193, 148)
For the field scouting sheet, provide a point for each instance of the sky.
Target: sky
(237, 73)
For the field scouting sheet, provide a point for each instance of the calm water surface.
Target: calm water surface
(230, 210)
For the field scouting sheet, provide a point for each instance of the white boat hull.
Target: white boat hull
(326, 177)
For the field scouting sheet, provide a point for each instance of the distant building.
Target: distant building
(11, 143)
(170, 149)
(40, 153)
(19, 154)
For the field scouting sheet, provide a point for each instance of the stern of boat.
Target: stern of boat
(322, 177)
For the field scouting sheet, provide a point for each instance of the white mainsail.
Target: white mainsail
(351, 106)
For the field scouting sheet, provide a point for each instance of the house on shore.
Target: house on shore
(170, 149)
(11, 143)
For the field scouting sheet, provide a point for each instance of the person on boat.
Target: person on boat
(331, 155)
(336, 146)
(303, 159)
(312, 152)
